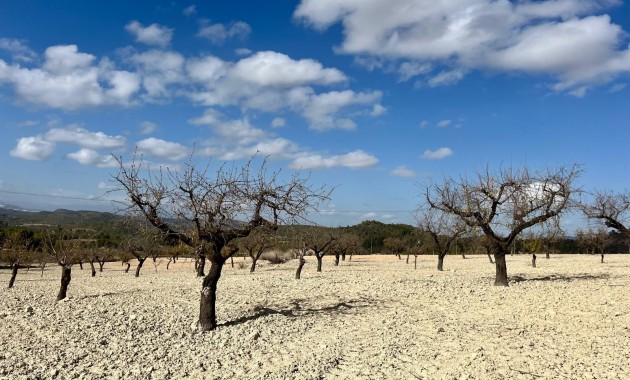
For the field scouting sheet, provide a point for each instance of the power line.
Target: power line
(98, 199)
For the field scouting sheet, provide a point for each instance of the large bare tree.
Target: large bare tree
(221, 206)
(505, 203)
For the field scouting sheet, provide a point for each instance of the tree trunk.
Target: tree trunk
(398, 254)
(490, 258)
(207, 303)
(169, 262)
(253, 267)
(336, 259)
(602, 258)
(463, 255)
(319, 262)
(440, 266)
(14, 270)
(93, 269)
(66, 276)
(101, 264)
(501, 278)
(533, 260)
(350, 259)
(343, 256)
(140, 263)
(43, 266)
(415, 262)
(81, 264)
(547, 255)
(407, 259)
(232, 261)
(299, 268)
(201, 265)
(128, 266)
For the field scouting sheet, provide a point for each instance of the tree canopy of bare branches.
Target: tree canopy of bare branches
(221, 207)
(612, 209)
(505, 203)
(443, 228)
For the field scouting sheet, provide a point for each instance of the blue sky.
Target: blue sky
(373, 97)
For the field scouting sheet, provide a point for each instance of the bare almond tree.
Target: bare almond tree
(221, 207)
(15, 249)
(505, 203)
(345, 244)
(395, 246)
(259, 241)
(611, 209)
(66, 248)
(444, 229)
(319, 240)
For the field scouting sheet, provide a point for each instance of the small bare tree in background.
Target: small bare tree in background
(552, 233)
(16, 250)
(443, 228)
(221, 207)
(532, 242)
(394, 246)
(345, 244)
(66, 248)
(319, 240)
(505, 203)
(611, 209)
(259, 241)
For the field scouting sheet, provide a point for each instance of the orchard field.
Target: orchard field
(375, 317)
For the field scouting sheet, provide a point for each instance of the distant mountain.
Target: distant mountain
(16, 216)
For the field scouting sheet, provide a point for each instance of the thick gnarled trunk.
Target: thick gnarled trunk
(66, 276)
(253, 267)
(501, 277)
(300, 266)
(207, 303)
(93, 268)
(440, 265)
(201, 265)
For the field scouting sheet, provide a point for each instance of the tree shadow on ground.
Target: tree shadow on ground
(560, 277)
(298, 310)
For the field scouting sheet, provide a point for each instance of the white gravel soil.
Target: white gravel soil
(374, 317)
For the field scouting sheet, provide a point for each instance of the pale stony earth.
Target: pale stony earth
(374, 317)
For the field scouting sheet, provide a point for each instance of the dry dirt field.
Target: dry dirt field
(372, 318)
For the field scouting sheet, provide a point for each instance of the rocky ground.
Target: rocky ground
(374, 317)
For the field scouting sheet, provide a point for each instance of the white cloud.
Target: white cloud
(377, 110)
(571, 40)
(278, 122)
(90, 157)
(84, 138)
(403, 171)
(269, 68)
(33, 148)
(437, 154)
(444, 123)
(357, 159)
(159, 69)
(424, 123)
(69, 79)
(18, 49)
(154, 34)
(164, 149)
(147, 127)
(190, 11)
(218, 33)
(243, 51)
(617, 87)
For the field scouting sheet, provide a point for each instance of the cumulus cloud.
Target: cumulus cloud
(444, 123)
(18, 49)
(90, 157)
(159, 69)
(403, 171)
(84, 138)
(437, 154)
(243, 51)
(33, 148)
(570, 40)
(69, 79)
(154, 34)
(218, 33)
(190, 11)
(278, 122)
(269, 68)
(147, 127)
(163, 149)
(357, 159)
